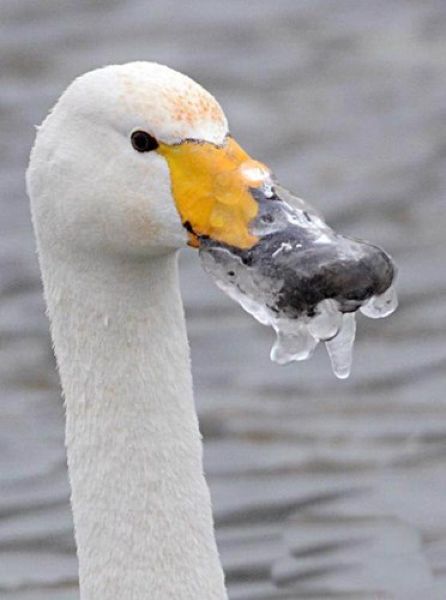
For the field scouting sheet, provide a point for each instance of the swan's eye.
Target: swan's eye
(143, 141)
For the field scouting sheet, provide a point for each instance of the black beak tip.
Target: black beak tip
(348, 271)
(370, 275)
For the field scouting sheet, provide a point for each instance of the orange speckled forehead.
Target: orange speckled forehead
(171, 106)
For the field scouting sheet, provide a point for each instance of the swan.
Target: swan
(133, 163)
(107, 231)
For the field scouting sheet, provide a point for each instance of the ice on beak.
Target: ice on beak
(303, 279)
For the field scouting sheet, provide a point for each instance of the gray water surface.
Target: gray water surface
(321, 488)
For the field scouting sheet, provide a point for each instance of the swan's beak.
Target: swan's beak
(230, 202)
(212, 188)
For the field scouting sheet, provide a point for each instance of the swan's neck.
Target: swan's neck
(142, 512)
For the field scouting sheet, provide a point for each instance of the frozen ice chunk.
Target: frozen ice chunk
(340, 348)
(326, 322)
(381, 306)
(293, 342)
(303, 279)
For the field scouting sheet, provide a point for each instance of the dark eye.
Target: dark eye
(143, 141)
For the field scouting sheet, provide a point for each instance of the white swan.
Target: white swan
(108, 202)
(133, 163)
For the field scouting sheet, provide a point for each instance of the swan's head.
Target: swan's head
(136, 159)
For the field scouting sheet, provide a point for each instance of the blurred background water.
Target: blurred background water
(321, 488)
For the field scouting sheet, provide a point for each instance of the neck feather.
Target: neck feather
(141, 506)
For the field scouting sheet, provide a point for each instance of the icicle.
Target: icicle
(340, 348)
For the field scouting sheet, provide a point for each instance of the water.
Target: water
(316, 484)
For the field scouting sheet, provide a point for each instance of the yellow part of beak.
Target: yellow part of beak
(210, 186)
